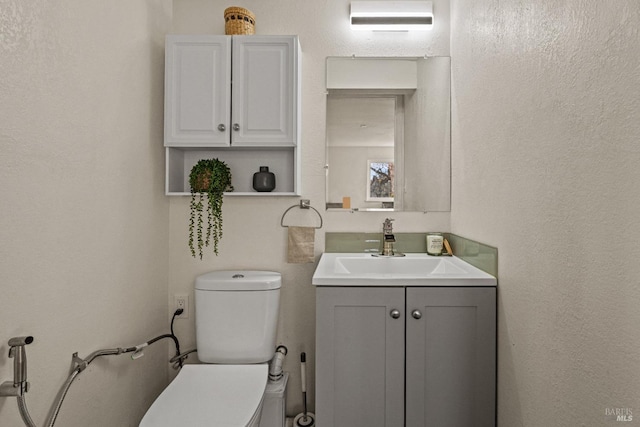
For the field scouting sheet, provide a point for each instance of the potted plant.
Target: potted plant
(210, 178)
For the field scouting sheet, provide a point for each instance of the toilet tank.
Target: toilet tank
(237, 316)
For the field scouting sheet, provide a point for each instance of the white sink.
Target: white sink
(405, 266)
(358, 269)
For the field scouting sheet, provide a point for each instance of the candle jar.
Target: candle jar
(434, 243)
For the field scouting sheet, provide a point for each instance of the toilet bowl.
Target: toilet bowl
(211, 395)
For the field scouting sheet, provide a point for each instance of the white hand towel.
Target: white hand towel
(301, 241)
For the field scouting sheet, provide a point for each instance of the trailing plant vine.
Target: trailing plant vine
(209, 178)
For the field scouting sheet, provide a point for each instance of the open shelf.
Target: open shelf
(243, 162)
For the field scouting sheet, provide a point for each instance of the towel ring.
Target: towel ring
(304, 204)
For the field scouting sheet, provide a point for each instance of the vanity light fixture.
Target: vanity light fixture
(391, 15)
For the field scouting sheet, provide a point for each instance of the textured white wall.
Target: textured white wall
(253, 237)
(545, 162)
(83, 222)
(546, 167)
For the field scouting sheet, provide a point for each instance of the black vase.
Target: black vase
(264, 181)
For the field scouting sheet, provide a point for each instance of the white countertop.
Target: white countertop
(361, 269)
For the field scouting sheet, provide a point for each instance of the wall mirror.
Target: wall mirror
(388, 134)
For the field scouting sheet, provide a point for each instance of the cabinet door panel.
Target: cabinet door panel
(264, 90)
(359, 357)
(197, 90)
(451, 357)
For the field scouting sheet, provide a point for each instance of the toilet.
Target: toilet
(236, 320)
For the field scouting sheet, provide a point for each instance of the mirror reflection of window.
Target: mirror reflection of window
(381, 176)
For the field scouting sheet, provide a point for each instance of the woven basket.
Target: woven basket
(238, 20)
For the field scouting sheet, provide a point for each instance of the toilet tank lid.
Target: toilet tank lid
(239, 280)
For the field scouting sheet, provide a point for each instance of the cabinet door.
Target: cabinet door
(451, 357)
(265, 90)
(359, 357)
(197, 90)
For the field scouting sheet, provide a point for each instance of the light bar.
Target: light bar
(391, 15)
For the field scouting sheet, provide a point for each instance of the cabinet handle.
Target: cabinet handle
(416, 314)
(395, 313)
(222, 127)
(236, 126)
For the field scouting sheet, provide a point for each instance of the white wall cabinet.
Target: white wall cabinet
(264, 96)
(236, 98)
(197, 103)
(395, 356)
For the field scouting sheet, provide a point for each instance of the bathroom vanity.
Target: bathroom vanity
(407, 341)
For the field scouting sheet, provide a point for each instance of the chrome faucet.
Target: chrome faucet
(387, 227)
(19, 386)
(389, 239)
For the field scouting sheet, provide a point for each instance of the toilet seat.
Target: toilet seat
(212, 396)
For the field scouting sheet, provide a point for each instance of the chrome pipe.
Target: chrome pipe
(104, 352)
(55, 409)
(178, 359)
(19, 385)
(81, 365)
(24, 412)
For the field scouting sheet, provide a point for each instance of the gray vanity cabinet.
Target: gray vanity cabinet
(451, 357)
(359, 357)
(395, 356)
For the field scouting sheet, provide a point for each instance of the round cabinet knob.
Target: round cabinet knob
(236, 126)
(416, 314)
(395, 313)
(222, 127)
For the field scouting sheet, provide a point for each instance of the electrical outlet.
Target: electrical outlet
(181, 301)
